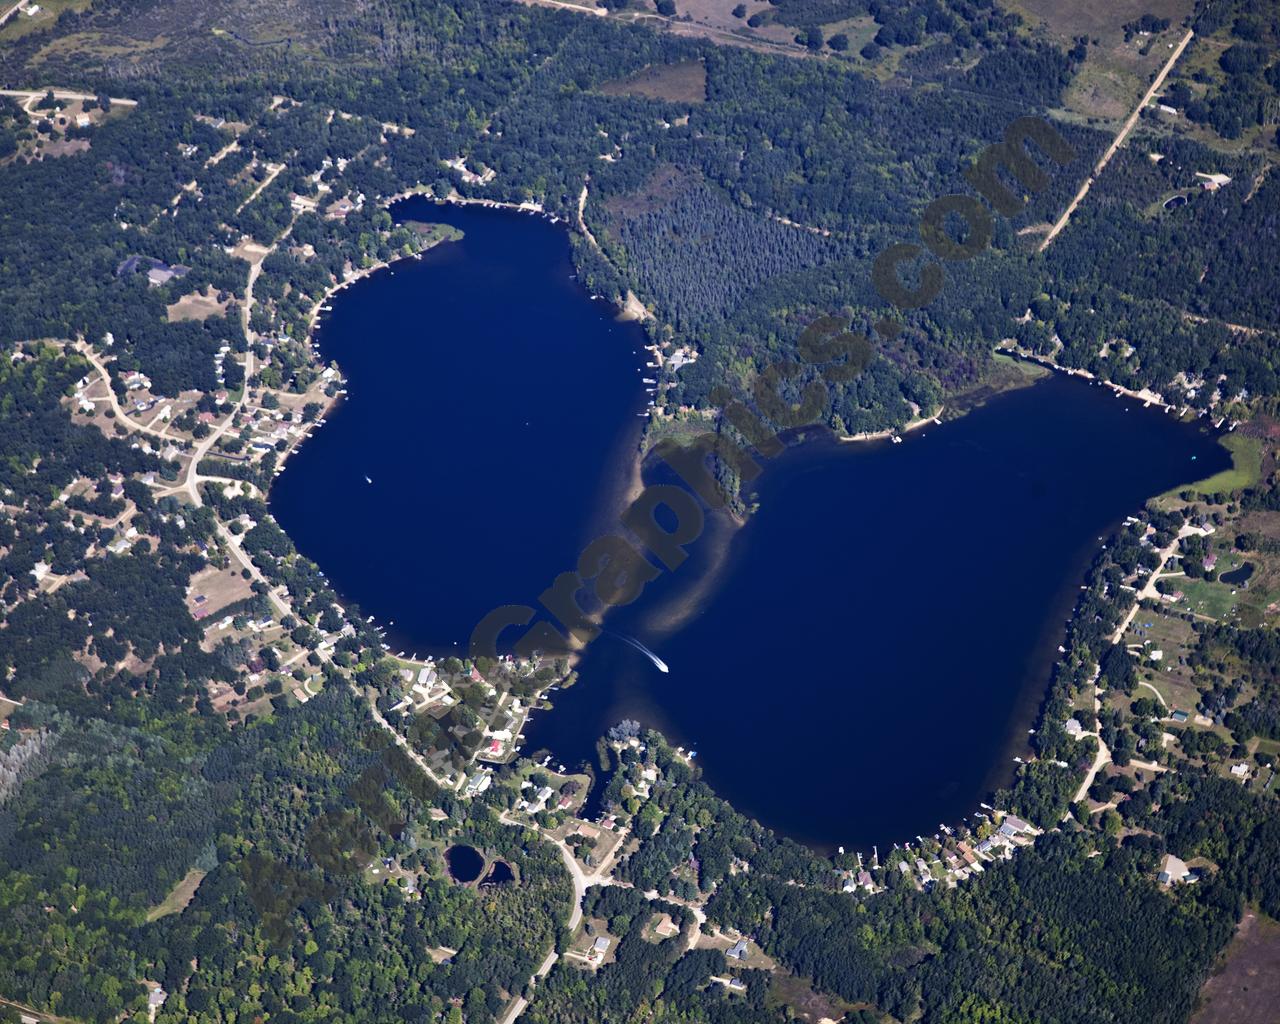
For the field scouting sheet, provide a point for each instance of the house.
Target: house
(864, 880)
(1017, 824)
(1212, 182)
(477, 784)
(1073, 729)
(1179, 716)
(738, 951)
(601, 946)
(1240, 771)
(1173, 871)
(148, 264)
(339, 209)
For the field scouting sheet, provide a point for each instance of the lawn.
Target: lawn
(21, 23)
(1216, 601)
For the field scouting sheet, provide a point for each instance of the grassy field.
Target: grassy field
(196, 306)
(1160, 631)
(1097, 18)
(1114, 73)
(1246, 467)
(807, 1004)
(1246, 604)
(1212, 600)
(1246, 986)
(1005, 374)
(685, 82)
(181, 895)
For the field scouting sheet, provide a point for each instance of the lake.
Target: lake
(877, 639)
(856, 665)
(493, 405)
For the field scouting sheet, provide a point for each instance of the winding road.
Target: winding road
(582, 880)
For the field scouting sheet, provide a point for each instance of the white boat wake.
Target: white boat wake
(658, 662)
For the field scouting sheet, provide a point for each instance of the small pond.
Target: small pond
(1237, 576)
(465, 863)
(499, 874)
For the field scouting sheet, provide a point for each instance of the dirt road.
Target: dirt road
(1117, 141)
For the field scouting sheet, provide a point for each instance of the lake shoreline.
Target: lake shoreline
(676, 608)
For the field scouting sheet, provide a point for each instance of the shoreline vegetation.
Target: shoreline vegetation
(895, 435)
(630, 308)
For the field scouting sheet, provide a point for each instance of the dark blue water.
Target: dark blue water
(494, 407)
(856, 665)
(465, 863)
(878, 637)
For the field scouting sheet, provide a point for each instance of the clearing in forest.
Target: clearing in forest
(685, 82)
(1247, 986)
